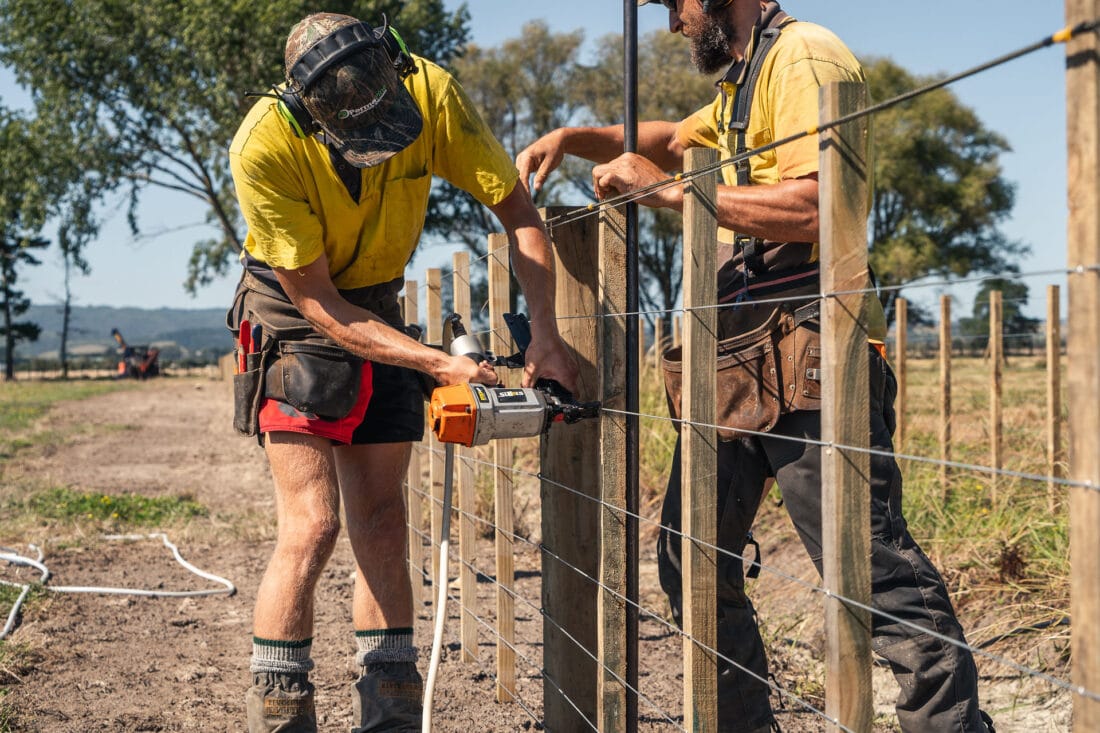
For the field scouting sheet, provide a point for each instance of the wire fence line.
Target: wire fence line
(542, 549)
(749, 563)
(559, 221)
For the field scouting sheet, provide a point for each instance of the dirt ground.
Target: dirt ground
(125, 663)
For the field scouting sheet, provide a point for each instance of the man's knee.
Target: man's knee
(313, 536)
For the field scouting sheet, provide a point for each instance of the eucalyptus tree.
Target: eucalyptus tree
(168, 83)
(940, 195)
(23, 211)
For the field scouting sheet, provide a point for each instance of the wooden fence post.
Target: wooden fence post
(570, 516)
(658, 346)
(500, 343)
(612, 609)
(467, 498)
(434, 335)
(1054, 395)
(996, 388)
(845, 409)
(1083, 376)
(945, 393)
(414, 504)
(699, 445)
(901, 363)
(676, 319)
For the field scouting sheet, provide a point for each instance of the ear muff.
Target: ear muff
(399, 53)
(293, 110)
(328, 51)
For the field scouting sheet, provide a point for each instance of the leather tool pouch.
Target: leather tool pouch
(316, 376)
(247, 391)
(248, 386)
(293, 365)
(762, 374)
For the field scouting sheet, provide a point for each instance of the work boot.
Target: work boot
(388, 698)
(280, 703)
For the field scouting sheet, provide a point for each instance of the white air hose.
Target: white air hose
(441, 579)
(16, 559)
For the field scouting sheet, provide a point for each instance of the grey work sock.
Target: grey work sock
(379, 646)
(284, 657)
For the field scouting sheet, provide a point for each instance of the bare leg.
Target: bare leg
(307, 505)
(371, 484)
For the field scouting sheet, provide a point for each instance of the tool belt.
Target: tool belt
(770, 367)
(293, 363)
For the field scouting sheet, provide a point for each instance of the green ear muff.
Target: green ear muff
(294, 112)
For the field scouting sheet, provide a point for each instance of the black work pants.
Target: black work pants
(938, 680)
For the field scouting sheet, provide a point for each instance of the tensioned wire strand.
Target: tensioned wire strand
(541, 670)
(516, 596)
(1062, 36)
(543, 549)
(1078, 270)
(1077, 689)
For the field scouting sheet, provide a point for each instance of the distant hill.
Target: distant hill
(194, 331)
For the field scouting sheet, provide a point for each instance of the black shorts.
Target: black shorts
(395, 413)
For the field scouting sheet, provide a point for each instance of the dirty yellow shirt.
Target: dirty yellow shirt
(805, 58)
(296, 206)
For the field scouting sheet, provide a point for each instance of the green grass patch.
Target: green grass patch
(62, 503)
(23, 403)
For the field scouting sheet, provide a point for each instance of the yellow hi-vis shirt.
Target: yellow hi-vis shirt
(296, 206)
(805, 58)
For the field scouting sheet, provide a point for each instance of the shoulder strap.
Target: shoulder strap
(772, 23)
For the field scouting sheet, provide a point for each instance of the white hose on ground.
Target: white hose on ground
(441, 579)
(14, 558)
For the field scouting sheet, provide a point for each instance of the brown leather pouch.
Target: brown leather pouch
(769, 371)
(800, 366)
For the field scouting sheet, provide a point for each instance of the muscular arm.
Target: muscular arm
(656, 142)
(784, 211)
(311, 290)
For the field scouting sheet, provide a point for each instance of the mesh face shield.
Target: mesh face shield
(364, 108)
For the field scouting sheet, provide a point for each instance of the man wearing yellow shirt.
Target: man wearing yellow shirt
(768, 214)
(332, 173)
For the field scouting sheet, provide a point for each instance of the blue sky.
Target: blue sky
(1024, 101)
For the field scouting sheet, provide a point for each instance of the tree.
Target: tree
(939, 193)
(168, 81)
(1014, 296)
(14, 252)
(522, 89)
(23, 206)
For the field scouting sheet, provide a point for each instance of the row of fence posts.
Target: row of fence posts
(995, 356)
(584, 526)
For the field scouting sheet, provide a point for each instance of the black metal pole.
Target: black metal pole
(630, 144)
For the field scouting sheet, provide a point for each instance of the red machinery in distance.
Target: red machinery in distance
(138, 362)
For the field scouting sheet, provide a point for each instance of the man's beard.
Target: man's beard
(710, 50)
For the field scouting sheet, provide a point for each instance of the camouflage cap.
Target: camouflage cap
(348, 82)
